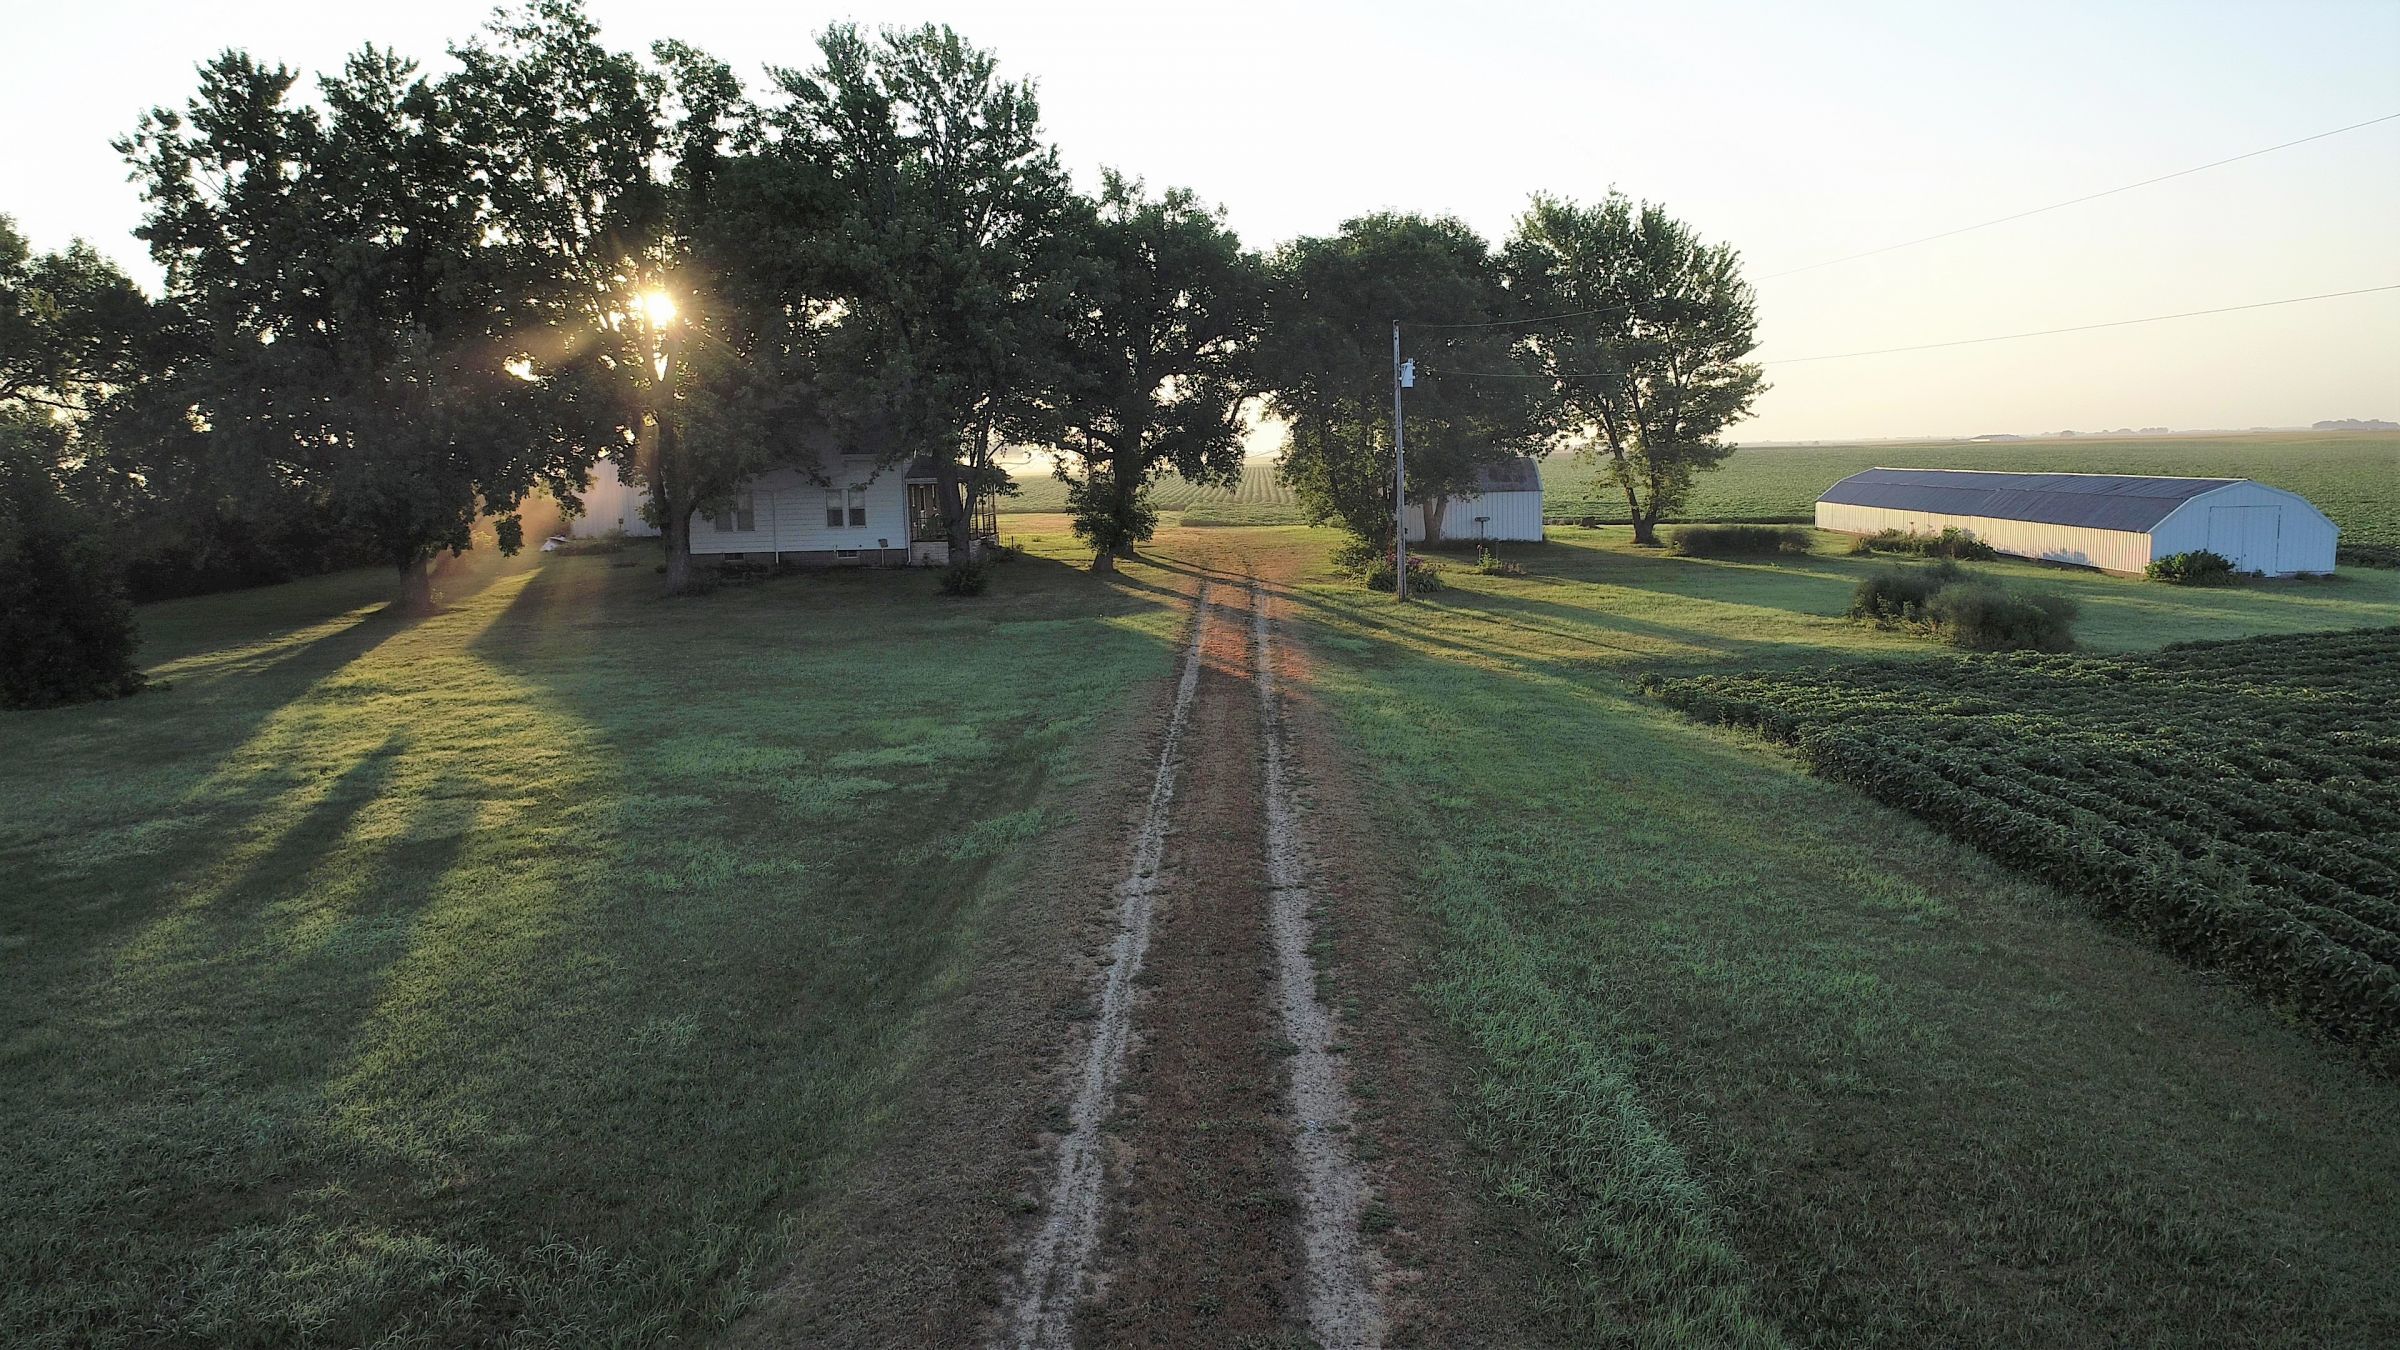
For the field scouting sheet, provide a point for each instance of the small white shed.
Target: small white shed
(1505, 505)
(2114, 522)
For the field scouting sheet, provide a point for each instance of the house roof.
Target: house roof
(2102, 501)
(1516, 474)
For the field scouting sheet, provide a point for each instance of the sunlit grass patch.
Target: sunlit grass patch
(531, 971)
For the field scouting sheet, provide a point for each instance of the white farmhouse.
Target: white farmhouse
(2114, 522)
(849, 511)
(1505, 505)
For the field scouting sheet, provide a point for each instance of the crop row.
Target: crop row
(2238, 802)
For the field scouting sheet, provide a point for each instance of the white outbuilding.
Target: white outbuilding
(1505, 505)
(2114, 522)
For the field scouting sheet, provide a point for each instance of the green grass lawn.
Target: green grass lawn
(529, 972)
(1765, 1063)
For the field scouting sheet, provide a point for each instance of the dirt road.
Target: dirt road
(1205, 1189)
(1157, 1130)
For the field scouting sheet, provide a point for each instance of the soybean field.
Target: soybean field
(2237, 802)
(1258, 500)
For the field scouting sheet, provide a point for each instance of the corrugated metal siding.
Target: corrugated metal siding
(2302, 538)
(2108, 550)
(610, 505)
(2102, 501)
(1512, 517)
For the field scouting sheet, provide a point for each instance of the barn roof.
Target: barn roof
(1517, 474)
(2103, 501)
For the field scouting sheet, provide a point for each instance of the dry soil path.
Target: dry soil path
(1206, 1189)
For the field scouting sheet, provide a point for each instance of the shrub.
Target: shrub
(2367, 555)
(1423, 577)
(2197, 568)
(1490, 564)
(964, 578)
(1982, 617)
(1952, 542)
(1354, 557)
(1898, 595)
(1965, 610)
(66, 629)
(1740, 541)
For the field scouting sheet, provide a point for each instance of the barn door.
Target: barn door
(2247, 534)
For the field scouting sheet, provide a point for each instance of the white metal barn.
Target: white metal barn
(2114, 522)
(1505, 505)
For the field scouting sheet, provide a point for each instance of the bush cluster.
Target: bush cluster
(2197, 568)
(2368, 555)
(1952, 542)
(1965, 610)
(965, 577)
(1740, 541)
(1424, 578)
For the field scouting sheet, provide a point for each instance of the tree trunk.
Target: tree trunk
(678, 533)
(1104, 561)
(1645, 523)
(1432, 510)
(416, 586)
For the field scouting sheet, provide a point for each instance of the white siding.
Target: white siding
(1512, 516)
(610, 505)
(788, 514)
(2108, 550)
(2262, 529)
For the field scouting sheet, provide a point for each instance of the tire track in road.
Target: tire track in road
(1342, 1310)
(1052, 1277)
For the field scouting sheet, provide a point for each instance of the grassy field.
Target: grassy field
(2348, 475)
(531, 973)
(1257, 500)
(1766, 1063)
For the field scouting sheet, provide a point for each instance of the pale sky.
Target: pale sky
(1796, 132)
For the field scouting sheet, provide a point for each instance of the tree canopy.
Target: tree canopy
(1155, 359)
(1650, 370)
(1326, 364)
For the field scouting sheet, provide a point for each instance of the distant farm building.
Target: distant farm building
(610, 505)
(1505, 505)
(2114, 522)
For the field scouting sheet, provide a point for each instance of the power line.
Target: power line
(1957, 342)
(2078, 201)
(1509, 323)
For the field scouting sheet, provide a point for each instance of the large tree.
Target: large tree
(1156, 359)
(74, 333)
(1327, 362)
(952, 268)
(351, 311)
(1649, 370)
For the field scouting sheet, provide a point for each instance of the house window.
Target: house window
(739, 518)
(833, 510)
(858, 507)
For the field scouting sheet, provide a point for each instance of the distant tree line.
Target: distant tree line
(398, 308)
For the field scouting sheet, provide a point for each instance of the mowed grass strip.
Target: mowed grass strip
(531, 973)
(1761, 1060)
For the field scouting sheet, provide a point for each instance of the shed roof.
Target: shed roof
(1516, 474)
(2102, 501)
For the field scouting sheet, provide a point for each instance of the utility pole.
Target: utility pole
(1399, 477)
